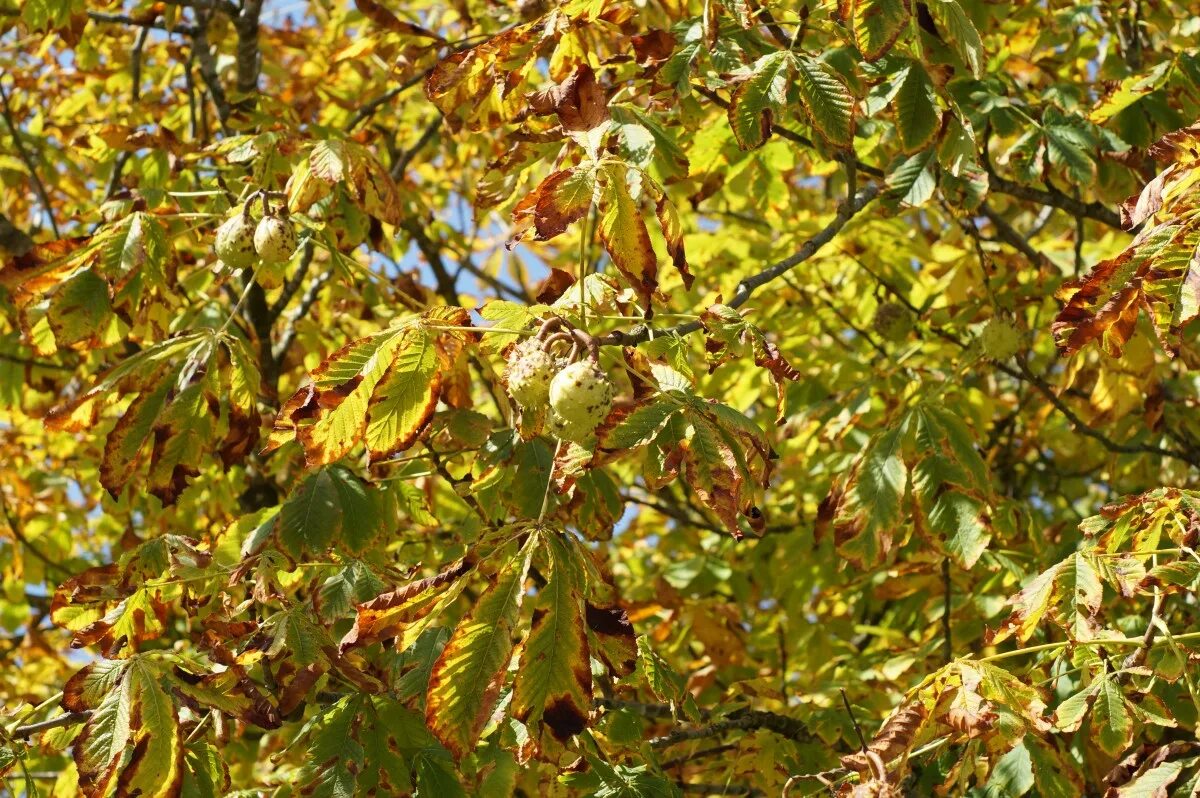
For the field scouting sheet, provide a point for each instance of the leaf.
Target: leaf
(404, 401)
(916, 108)
(553, 686)
(1073, 585)
(640, 427)
(389, 614)
(79, 309)
(758, 98)
(876, 24)
(352, 166)
(330, 415)
(171, 384)
(624, 233)
(829, 104)
(330, 507)
(559, 201)
(466, 680)
(131, 744)
(961, 31)
(1112, 728)
(913, 180)
(581, 106)
(1152, 274)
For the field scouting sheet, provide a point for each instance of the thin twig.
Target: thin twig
(862, 739)
(742, 719)
(295, 281)
(27, 159)
(15, 527)
(402, 162)
(139, 44)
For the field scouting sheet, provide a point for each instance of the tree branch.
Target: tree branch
(741, 720)
(1091, 210)
(747, 287)
(405, 158)
(182, 28)
(208, 71)
(27, 159)
(21, 732)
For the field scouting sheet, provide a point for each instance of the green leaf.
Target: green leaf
(876, 24)
(958, 28)
(331, 506)
(913, 180)
(1112, 728)
(405, 399)
(829, 104)
(917, 115)
(466, 680)
(758, 98)
(79, 309)
(641, 426)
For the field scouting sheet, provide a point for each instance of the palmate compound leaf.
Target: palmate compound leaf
(927, 457)
(131, 743)
(721, 454)
(382, 389)
(1071, 590)
(1158, 273)
(759, 97)
(124, 604)
(373, 745)
(189, 394)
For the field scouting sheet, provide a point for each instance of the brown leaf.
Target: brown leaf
(553, 285)
(386, 19)
(652, 48)
(384, 615)
(894, 739)
(579, 101)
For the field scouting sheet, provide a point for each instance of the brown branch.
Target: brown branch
(21, 732)
(27, 159)
(739, 720)
(208, 71)
(306, 304)
(1090, 432)
(1091, 210)
(182, 28)
(718, 789)
(247, 60)
(295, 281)
(38, 364)
(1008, 234)
(405, 158)
(374, 105)
(747, 287)
(947, 603)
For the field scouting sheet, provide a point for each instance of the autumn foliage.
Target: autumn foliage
(596, 397)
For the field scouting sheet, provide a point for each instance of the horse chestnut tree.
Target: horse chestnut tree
(598, 397)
